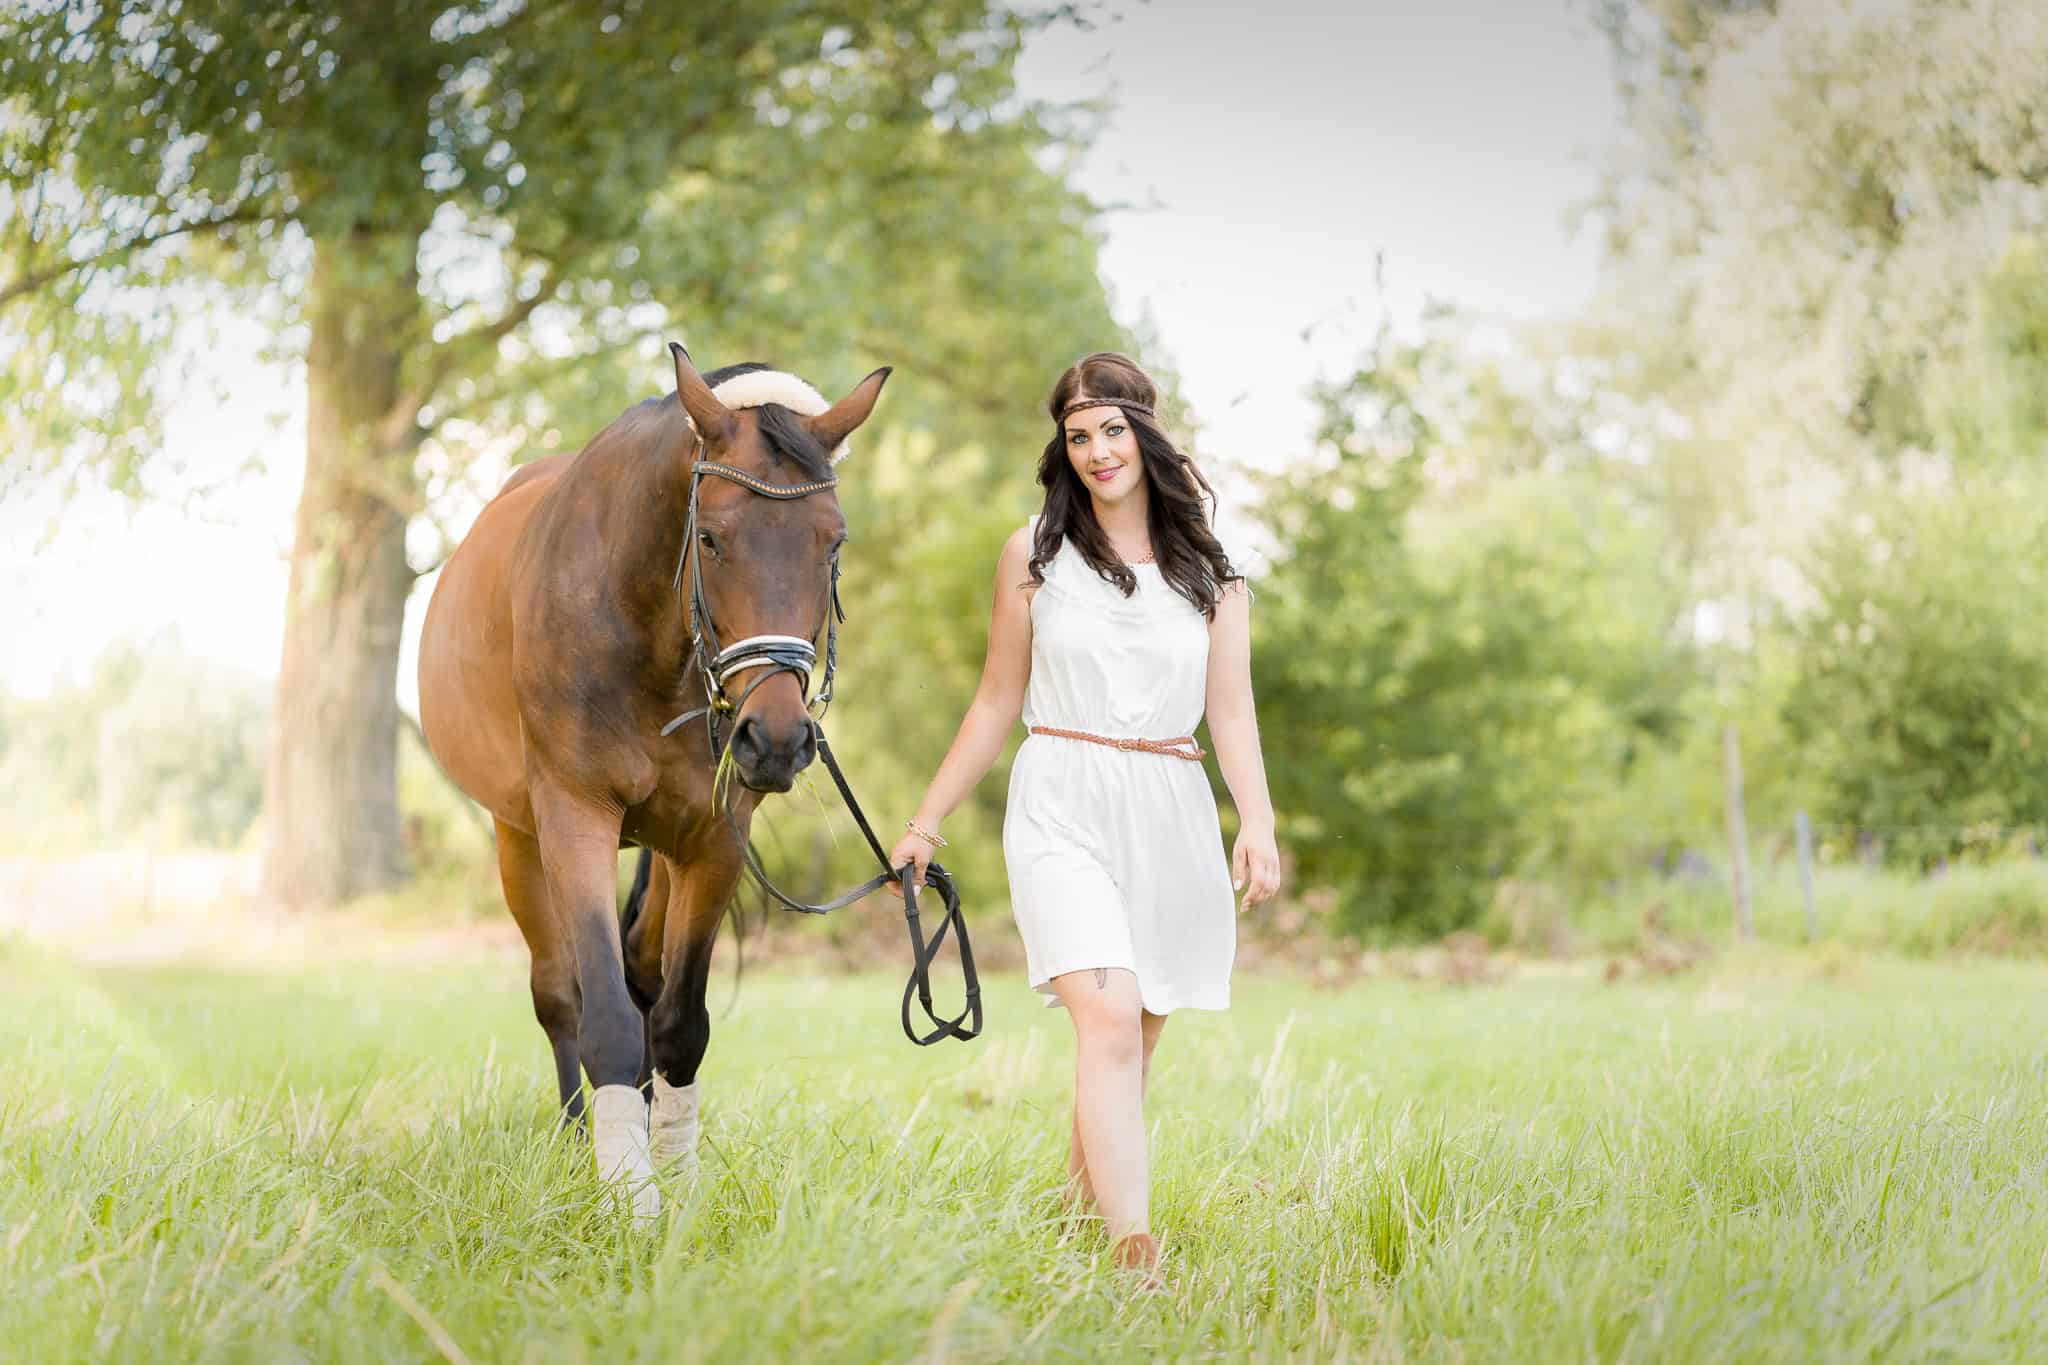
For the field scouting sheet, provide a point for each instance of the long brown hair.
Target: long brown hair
(1190, 558)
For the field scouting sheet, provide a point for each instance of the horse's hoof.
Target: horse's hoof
(619, 1132)
(673, 1126)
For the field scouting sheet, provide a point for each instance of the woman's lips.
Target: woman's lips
(1104, 476)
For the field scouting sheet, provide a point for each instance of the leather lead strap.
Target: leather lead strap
(785, 657)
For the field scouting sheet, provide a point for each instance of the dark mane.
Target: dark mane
(713, 378)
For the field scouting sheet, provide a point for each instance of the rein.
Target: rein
(772, 654)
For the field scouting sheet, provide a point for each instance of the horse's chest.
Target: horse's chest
(675, 814)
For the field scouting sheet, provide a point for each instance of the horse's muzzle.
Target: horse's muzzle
(768, 758)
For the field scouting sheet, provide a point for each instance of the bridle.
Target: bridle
(773, 654)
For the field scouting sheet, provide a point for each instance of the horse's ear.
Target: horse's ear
(837, 422)
(714, 420)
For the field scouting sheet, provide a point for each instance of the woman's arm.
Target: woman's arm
(1234, 733)
(999, 700)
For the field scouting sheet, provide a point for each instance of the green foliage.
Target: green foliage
(180, 757)
(479, 223)
(1669, 805)
(1810, 224)
(833, 186)
(444, 831)
(1989, 401)
(153, 747)
(1922, 695)
(1461, 654)
(1825, 292)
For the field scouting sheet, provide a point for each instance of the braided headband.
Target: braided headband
(1124, 403)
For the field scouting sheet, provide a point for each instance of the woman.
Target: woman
(1118, 621)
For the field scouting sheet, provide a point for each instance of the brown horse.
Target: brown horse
(566, 634)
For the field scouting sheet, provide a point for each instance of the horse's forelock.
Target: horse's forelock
(786, 437)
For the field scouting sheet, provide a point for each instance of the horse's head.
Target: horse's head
(764, 564)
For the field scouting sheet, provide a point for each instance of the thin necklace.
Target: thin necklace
(1146, 560)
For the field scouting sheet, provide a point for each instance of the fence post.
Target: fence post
(1738, 834)
(1805, 832)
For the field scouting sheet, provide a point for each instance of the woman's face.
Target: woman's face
(1104, 452)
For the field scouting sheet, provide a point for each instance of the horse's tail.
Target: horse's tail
(637, 897)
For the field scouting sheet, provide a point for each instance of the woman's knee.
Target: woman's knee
(1107, 1013)
(1114, 1045)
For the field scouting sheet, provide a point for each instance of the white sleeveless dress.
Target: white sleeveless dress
(1116, 857)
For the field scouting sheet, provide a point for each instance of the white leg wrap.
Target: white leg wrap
(619, 1130)
(674, 1124)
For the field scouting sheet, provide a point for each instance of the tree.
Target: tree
(1471, 636)
(1816, 228)
(475, 223)
(1825, 272)
(153, 746)
(1922, 697)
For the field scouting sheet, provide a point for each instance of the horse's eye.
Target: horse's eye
(704, 539)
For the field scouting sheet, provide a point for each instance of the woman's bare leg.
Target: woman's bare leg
(1080, 1191)
(1152, 1025)
(1109, 1084)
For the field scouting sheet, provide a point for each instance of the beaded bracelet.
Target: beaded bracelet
(934, 840)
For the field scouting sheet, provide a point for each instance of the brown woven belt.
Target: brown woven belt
(1170, 747)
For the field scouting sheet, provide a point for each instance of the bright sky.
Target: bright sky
(1277, 148)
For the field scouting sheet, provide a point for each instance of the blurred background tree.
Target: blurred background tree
(1922, 697)
(152, 748)
(1783, 473)
(1824, 286)
(1507, 648)
(476, 223)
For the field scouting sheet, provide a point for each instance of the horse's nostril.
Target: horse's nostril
(745, 739)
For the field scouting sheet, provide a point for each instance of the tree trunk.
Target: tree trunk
(330, 797)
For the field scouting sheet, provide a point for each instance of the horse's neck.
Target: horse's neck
(643, 515)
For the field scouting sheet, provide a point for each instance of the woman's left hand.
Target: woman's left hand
(1256, 860)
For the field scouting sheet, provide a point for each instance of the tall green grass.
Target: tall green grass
(1777, 1159)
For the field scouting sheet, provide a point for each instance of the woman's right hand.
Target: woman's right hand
(909, 849)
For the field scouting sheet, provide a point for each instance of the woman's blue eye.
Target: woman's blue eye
(1116, 430)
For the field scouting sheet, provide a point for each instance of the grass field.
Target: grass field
(1783, 1157)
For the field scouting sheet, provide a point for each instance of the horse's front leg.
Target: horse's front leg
(679, 1025)
(579, 841)
(642, 928)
